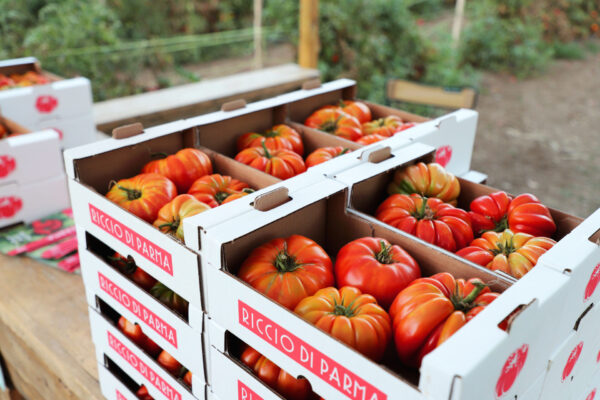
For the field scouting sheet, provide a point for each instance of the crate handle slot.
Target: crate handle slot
(377, 154)
(595, 238)
(125, 131)
(272, 199)
(311, 84)
(233, 105)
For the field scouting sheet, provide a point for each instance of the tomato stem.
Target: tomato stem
(385, 256)
(284, 262)
(343, 152)
(159, 155)
(221, 196)
(267, 154)
(507, 247)
(270, 134)
(466, 303)
(132, 194)
(128, 263)
(330, 126)
(502, 225)
(173, 225)
(341, 309)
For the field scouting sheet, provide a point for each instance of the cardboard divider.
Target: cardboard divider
(109, 291)
(161, 384)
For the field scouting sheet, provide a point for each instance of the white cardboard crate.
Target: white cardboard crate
(73, 132)
(180, 338)
(111, 387)
(110, 342)
(30, 157)
(28, 202)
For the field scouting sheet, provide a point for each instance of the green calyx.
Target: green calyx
(330, 126)
(502, 225)
(172, 226)
(221, 196)
(342, 310)
(284, 262)
(506, 248)
(424, 212)
(267, 154)
(465, 304)
(384, 256)
(270, 134)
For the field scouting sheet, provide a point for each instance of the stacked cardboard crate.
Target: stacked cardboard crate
(332, 204)
(32, 178)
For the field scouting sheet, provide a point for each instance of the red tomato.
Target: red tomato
(187, 379)
(386, 127)
(376, 267)
(324, 154)
(512, 253)
(10, 206)
(232, 197)
(143, 195)
(169, 363)
(183, 168)
(427, 312)
(336, 122)
(357, 109)
(214, 189)
(128, 267)
(171, 215)
(429, 180)
(369, 139)
(430, 219)
(497, 212)
(282, 164)
(3, 130)
(278, 137)
(287, 270)
(132, 331)
(285, 384)
(151, 348)
(142, 394)
(351, 317)
(170, 299)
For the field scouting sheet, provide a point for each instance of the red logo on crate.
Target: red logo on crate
(133, 240)
(592, 395)
(245, 393)
(45, 104)
(120, 396)
(511, 370)
(141, 367)
(329, 370)
(572, 360)
(9, 206)
(152, 320)
(598, 357)
(443, 155)
(7, 165)
(592, 283)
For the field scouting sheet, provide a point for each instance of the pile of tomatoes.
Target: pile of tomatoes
(29, 78)
(174, 188)
(164, 359)
(279, 151)
(4, 132)
(498, 231)
(352, 120)
(127, 266)
(372, 295)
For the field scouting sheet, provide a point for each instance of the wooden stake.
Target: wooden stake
(459, 13)
(308, 49)
(258, 45)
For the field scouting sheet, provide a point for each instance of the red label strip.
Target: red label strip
(153, 253)
(142, 368)
(245, 393)
(323, 366)
(151, 319)
(120, 396)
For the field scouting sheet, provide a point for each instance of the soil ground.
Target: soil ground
(542, 135)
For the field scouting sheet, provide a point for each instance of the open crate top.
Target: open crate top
(24, 65)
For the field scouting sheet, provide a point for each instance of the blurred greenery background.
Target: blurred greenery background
(111, 41)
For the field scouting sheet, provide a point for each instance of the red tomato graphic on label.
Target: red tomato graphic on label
(572, 360)
(598, 357)
(46, 104)
(592, 395)
(7, 165)
(46, 227)
(592, 283)
(9, 206)
(511, 369)
(443, 155)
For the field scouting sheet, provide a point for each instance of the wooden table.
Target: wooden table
(45, 333)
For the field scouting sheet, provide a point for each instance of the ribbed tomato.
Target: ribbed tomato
(170, 217)
(357, 109)
(324, 154)
(287, 270)
(498, 211)
(142, 394)
(351, 317)
(285, 384)
(235, 196)
(214, 189)
(430, 310)
(143, 195)
(387, 126)
(183, 168)
(170, 298)
(278, 137)
(336, 122)
(512, 253)
(132, 331)
(376, 267)
(282, 164)
(430, 219)
(368, 139)
(128, 267)
(169, 363)
(429, 180)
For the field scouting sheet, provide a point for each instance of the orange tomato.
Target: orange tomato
(282, 164)
(183, 168)
(357, 109)
(387, 126)
(324, 154)
(170, 217)
(429, 180)
(214, 189)
(335, 122)
(369, 139)
(244, 192)
(169, 363)
(278, 137)
(143, 195)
